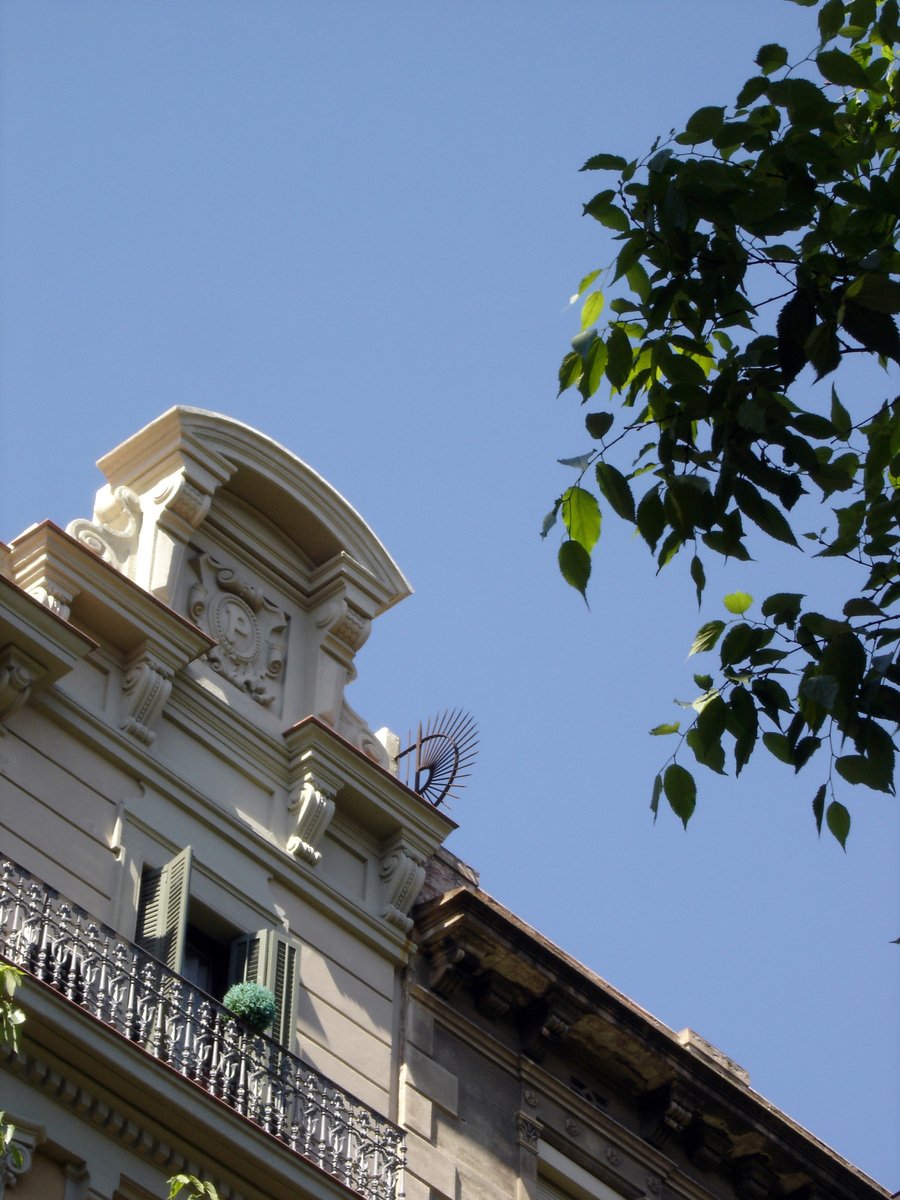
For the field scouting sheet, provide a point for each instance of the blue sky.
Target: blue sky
(356, 227)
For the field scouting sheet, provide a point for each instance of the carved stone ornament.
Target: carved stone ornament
(185, 500)
(402, 876)
(530, 1097)
(312, 808)
(528, 1131)
(18, 674)
(345, 622)
(653, 1184)
(146, 687)
(113, 532)
(612, 1157)
(55, 596)
(573, 1129)
(250, 629)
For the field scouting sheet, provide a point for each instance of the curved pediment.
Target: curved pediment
(187, 455)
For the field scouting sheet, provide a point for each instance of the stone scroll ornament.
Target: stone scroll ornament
(402, 876)
(251, 630)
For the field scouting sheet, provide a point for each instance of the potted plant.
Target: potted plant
(252, 1004)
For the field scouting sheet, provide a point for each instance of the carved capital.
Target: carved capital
(146, 687)
(528, 1131)
(55, 595)
(402, 876)
(345, 622)
(18, 674)
(184, 499)
(17, 1158)
(312, 809)
(113, 532)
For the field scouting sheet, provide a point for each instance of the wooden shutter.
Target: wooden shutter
(269, 958)
(162, 909)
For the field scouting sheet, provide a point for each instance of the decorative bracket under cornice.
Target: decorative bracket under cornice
(402, 876)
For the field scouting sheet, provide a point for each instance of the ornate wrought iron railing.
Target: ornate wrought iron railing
(119, 984)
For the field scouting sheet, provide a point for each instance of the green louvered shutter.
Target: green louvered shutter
(269, 958)
(162, 909)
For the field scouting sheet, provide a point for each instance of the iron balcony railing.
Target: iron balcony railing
(135, 994)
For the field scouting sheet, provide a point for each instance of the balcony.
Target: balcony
(136, 995)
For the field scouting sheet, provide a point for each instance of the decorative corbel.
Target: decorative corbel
(545, 1022)
(669, 1110)
(19, 672)
(402, 875)
(146, 687)
(181, 504)
(16, 1158)
(312, 809)
(113, 532)
(451, 965)
(345, 629)
(754, 1178)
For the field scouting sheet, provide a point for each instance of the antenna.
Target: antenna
(444, 751)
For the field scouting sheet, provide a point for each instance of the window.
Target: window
(198, 944)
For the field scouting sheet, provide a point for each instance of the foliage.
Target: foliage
(198, 1189)
(251, 1003)
(11, 1016)
(757, 255)
(11, 1019)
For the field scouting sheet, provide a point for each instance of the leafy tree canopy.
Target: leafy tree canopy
(757, 255)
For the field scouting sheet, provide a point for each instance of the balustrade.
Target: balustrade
(138, 996)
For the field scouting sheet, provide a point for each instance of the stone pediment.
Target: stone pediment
(244, 539)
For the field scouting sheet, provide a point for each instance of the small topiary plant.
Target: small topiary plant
(251, 1003)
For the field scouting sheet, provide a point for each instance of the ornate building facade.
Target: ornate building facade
(187, 800)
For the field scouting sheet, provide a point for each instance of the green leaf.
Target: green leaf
(796, 322)
(763, 512)
(876, 331)
(599, 424)
(840, 68)
(698, 575)
(657, 792)
(705, 123)
(823, 349)
(876, 291)
(706, 637)
(569, 371)
(821, 689)
(615, 487)
(778, 745)
(681, 791)
(771, 57)
(581, 516)
(738, 602)
(660, 730)
(831, 18)
(575, 565)
(619, 357)
(783, 607)
(605, 162)
(838, 821)
(651, 517)
(856, 769)
(840, 418)
(591, 309)
(861, 606)
(818, 807)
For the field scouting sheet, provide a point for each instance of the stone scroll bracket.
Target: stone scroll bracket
(146, 686)
(312, 789)
(310, 810)
(402, 876)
